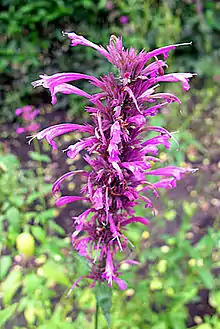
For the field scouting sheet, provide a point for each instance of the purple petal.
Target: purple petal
(109, 268)
(155, 141)
(97, 199)
(73, 150)
(66, 88)
(51, 81)
(121, 283)
(166, 96)
(152, 111)
(58, 130)
(176, 77)
(154, 68)
(138, 120)
(68, 199)
(171, 171)
(80, 40)
(164, 50)
(166, 183)
(115, 139)
(57, 184)
(134, 220)
(130, 92)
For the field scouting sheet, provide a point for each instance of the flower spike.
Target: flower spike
(118, 149)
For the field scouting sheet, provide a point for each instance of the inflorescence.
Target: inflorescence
(117, 151)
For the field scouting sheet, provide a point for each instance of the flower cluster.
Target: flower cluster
(116, 149)
(28, 113)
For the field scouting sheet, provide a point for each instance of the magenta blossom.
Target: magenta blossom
(28, 113)
(124, 19)
(118, 150)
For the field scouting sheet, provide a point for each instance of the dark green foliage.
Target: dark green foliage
(32, 41)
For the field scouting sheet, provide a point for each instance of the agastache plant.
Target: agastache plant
(116, 149)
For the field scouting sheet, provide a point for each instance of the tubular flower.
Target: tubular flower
(117, 151)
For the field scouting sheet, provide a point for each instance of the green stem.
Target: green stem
(96, 316)
(40, 174)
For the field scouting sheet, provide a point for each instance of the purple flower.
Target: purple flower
(109, 5)
(57, 84)
(28, 114)
(124, 19)
(54, 131)
(118, 150)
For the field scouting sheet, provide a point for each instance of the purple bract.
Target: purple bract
(117, 151)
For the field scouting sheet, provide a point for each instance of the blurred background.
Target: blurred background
(176, 285)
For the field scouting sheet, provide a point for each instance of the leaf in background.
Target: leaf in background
(214, 300)
(13, 216)
(103, 295)
(39, 233)
(47, 214)
(204, 326)
(207, 277)
(5, 263)
(10, 161)
(39, 157)
(6, 314)
(31, 282)
(56, 272)
(32, 197)
(161, 325)
(10, 286)
(16, 200)
(56, 228)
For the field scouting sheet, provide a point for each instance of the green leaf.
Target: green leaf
(6, 314)
(31, 282)
(160, 325)
(189, 208)
(17, 201)
(56, 228)
(10, 286)
(39, 233)
(103, 295)
(206, 277)
(39, 157)
(5, 263)
(32, 197)
(47, 214)
(56, 272)
(204, 326)
(13, 216)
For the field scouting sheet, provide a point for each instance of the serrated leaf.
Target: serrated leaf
(6, 314)
(103, 295)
